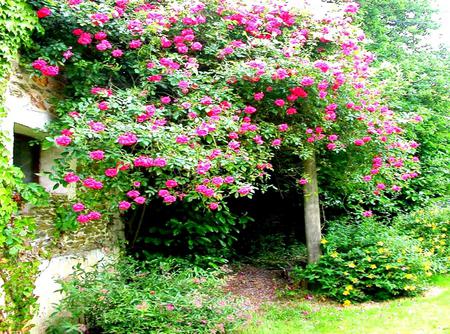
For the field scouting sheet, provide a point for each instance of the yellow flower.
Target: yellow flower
(373, 266)
(380, 243)
(369, 259)
(409, 276)
(410, 287)
(323, 241)
(351, 265)
(349, 287)
(347, 302)
(334, 255)
(388, 266)
(355, 280)
(346, 293)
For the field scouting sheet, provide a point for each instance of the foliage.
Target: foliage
(397, 27)
(18, 266)
(430, 227)
(191, 101)
(422, 314)
(159, 296)
(181, 229)
(367, 261)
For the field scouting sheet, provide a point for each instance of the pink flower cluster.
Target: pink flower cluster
(45, 69)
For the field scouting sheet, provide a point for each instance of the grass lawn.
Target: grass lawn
(427, 314)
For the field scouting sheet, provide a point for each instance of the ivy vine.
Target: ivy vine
(18, 266)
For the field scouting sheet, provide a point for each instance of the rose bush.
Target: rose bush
(191, 101)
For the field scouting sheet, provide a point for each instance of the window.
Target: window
(26, 157)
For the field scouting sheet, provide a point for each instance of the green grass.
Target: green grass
(427, 314)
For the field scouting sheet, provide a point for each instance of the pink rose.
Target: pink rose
(169, 199)
(135, 44)
(82, 219)
(111, 172)
(39, 64)
(94, 215)
(103, 106)
(124, 205)
(127, 139)
(303, 181)
(279, 102)
(43, 12)
(77, 207)
(171, 183)
(117, 53)
(85, 38)
(213, 206)
(367, 213)
(97, 155)
(71, 178)
(140, 200)
(63, 140)
(50, 71)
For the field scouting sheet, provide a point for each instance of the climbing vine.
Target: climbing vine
(18, 267)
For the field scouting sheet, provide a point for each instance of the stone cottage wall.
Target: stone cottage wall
(29, 110)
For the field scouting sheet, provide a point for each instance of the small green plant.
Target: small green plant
(367, 261)
(430, 227)
(277, 252)
(157, 296)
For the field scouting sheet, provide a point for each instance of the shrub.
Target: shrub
(430, 227)
(158, 296)
(367, 261)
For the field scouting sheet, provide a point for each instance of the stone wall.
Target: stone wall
(29, 110)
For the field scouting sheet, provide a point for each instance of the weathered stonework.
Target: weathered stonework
(29, 110)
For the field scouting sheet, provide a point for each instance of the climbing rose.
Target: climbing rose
(103, 105)
(97, 155)
(245, 190)
(117, 53)
(279, 102)
(82, 219)
(92, 183)
(127, 139)
(63, 140)
(50, 71)
(43, 12)
(169, 199)
(77, 207)
(171, 183)
(94, 215)
(39, 64)
(85, 39)
(124, 205)
(367, 213)
(213, 206)
(71, 178)
(135, 44)
(303, 181)
(111, 172)
(140, 200)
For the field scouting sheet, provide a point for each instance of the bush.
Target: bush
(158, 296)
(367, 261)
(430, 227)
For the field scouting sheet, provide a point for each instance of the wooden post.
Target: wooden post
(312, 210)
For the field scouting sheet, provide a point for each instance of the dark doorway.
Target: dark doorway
(26, 156)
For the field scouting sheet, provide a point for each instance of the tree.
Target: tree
(191, 102)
